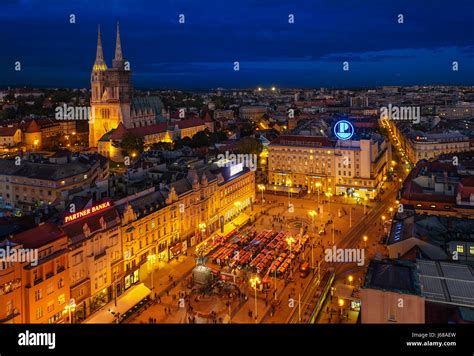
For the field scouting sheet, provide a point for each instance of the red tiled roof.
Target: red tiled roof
(118, 132)
(39, 236)
(33, 127)
(467, 182)
(149, 130)
(207, 117)
(184, 124)
(8, 131)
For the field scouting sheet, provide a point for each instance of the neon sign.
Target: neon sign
(87, 212)
(343, 130)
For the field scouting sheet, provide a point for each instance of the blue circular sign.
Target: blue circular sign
(343, 130)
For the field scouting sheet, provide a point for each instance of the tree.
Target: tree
(131, 144)
(200, 139)
(248, 129)
(7, 114)
(249, 145)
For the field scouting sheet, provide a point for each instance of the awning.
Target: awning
(124, 303)
(176, 249)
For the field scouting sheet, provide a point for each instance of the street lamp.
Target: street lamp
(341, 304)
(254, 281)
(288, 184)
(151, 261)
(202, 227)
(312, 213)
(261, 187)
(290, 240)
(329, 195)
(365, 238)
(350, 278)
(70, 308)
(318, 185)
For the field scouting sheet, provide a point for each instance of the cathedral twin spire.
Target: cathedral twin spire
(117, 62)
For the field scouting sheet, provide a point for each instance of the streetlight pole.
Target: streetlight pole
(115, 288)
(299, 307)
(254, 282)
(290, 241)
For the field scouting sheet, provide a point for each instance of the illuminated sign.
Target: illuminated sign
(343, 130)
(236, 169)
(87, 212)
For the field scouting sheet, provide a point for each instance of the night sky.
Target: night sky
(201, 52)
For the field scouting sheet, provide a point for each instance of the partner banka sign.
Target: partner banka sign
(343, 130)
(87, 212)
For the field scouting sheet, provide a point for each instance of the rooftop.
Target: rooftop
(447, 282)
(39, 236)
(392, 275)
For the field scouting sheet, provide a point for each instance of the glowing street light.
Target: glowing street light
(329, 195)
(290, 241)
(261, 187)
(151, 262)
(254, 282)
(70, 308)
(365, 238)
(350, 278)
(341, 304)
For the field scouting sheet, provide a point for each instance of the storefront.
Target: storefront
(177, 249)
(132, 278)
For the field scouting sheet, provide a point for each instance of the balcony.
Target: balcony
(37, 281)
(49, 275)
(10, 316)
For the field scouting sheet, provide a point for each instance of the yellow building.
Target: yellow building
(95, 257)
(10, 136)
(159, 225)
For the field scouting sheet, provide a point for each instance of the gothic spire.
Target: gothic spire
(99, 63)
(118, 60)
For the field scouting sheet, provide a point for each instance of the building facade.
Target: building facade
(112, 100)
(318, 164)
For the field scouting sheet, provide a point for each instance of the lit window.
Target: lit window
(460, 248)
(471, 250)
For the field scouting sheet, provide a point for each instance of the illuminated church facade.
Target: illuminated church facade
(112, 101)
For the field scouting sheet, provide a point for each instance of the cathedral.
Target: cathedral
(112, 100)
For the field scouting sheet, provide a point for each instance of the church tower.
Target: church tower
(111, 92)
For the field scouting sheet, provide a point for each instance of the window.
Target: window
(38, 295)
(392, 314)
(39, 313)
(50, 306)
(61, 299)
(460, 248)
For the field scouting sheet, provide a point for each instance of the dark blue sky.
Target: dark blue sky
(201, 52)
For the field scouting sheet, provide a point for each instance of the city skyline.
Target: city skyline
(198, 54)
